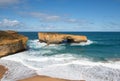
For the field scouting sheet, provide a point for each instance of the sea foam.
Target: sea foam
(16, 70)
(83, 43)
(63, 66)
(67, 66)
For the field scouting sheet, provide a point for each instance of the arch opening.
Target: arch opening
(68, 40)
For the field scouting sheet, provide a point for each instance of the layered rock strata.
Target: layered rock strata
(56, 38)
(11, 42)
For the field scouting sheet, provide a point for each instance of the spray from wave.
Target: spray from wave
(37, 44)
(89, 42)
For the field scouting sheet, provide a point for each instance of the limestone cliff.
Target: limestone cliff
(11, 42)
(55, 38)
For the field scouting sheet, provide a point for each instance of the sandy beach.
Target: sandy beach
(45, 78)
(2, 71)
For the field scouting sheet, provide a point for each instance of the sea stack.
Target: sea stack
(57, 38)
(11, 42)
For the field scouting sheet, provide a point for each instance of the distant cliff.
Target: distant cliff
(56, 38)
(11, 42)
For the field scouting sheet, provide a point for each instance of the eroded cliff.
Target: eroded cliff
(56, 38)
(11, 42)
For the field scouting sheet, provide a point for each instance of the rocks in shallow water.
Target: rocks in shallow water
(55, 38)
(11, 42)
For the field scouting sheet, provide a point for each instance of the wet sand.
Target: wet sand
(45, 78)
(2, 71)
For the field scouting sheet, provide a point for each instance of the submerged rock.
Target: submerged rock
(11, 42)
(56, 38)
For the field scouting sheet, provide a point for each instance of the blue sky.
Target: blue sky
(60, 15)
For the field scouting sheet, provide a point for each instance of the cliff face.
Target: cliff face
(55, 38)
(11, 42)
(18, 36)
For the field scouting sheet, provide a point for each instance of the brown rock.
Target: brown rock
(11, 42)
(55, 38)
(18, 36)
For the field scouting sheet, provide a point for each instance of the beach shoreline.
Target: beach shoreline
(46, 78)
(65, 61)
(3, 70)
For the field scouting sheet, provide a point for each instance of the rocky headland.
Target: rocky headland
(57, 38)
(11, 42)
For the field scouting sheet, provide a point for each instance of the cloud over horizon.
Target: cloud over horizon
(60, 15)
(44, 17)
(10, 23)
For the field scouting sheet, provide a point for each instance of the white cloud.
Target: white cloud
(54, 18)
(47, 27)
(44, 17)
(72, 20)
(51, 18)
(8, 2)
(9, 23)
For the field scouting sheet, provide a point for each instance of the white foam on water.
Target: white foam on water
(16, 71)
(60, 66)
(67, 66)
(89, 42)
(36, 44)
(75, 71)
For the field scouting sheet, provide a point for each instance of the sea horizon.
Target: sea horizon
(59, 40)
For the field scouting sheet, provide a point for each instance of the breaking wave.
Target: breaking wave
(89, 42)
(60, 66)
(37, 44)
(49, 60)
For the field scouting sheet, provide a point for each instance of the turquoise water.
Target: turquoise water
(96, 60)
(105, 46)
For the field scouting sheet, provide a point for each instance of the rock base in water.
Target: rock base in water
(11, 42)
(55, 38)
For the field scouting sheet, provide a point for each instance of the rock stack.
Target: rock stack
(56, 38)
(11, 42)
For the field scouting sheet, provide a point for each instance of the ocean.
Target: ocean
(96, 60)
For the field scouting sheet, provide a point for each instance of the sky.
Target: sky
(60, 15)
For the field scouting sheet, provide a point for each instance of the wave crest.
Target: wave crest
(89, 42)
(37, 44)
